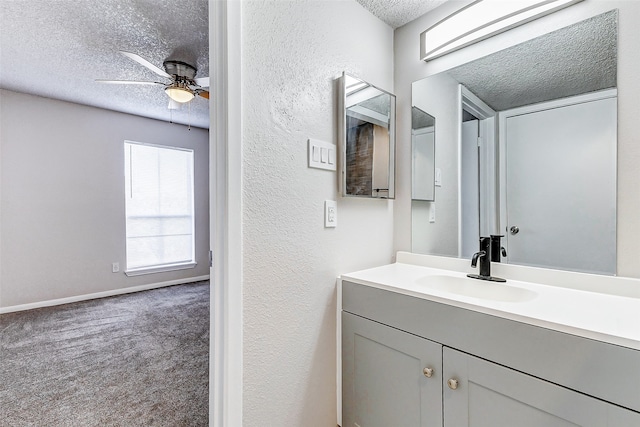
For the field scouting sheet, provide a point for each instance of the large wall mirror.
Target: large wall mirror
(526, 145)
(367, 135)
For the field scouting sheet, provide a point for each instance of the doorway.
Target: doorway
(478, 195)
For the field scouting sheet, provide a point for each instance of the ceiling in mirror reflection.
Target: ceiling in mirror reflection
(577, 59)
(421, 119)
(379, 104)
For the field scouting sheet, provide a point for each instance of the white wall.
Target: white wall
(62, 197)
(409, 68)
(439, 237)
(292, 53)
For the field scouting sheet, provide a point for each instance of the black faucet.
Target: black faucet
(496, 248)
(484, 255)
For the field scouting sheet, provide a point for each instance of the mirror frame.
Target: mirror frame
(342, 137)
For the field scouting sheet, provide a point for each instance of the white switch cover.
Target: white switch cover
(115, 267)
(322, 155)
(330, 213)
(438, 180)
(432, 212)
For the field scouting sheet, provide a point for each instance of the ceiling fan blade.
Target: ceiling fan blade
(204, 94)
(140, 60)
(129, 82)
(202, 81)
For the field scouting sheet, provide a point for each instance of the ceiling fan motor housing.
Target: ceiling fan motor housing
(180, 69)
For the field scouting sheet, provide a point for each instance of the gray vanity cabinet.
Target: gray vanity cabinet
(482, 374)
(390, 377)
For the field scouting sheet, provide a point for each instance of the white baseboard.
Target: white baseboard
(113, 292)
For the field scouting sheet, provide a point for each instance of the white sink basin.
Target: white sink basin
(475, 288)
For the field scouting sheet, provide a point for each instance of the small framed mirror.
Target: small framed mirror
(423, 155)
(368, 116)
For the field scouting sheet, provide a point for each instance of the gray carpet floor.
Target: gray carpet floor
(140, 359)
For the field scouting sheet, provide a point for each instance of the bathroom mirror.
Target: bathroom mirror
(367, 135)
(423, 155)
(527, 141)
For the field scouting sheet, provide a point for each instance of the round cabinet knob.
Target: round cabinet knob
(514, 229)
(428, 372)
(452, 383)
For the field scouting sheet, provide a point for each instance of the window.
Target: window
(159, 208)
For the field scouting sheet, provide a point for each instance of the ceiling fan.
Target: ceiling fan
(183, 85)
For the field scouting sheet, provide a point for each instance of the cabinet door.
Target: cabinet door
(383, 378)
(490, 395)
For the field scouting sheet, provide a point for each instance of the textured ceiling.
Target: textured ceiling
(57, 48)
(396, 13)
(577, 59)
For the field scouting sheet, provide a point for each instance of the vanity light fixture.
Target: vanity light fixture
(179, 92)
(480, 20)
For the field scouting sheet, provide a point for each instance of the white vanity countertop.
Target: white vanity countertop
(606, 317)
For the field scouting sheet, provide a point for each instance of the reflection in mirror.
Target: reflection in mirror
(422, 155)
(527, 148)
(368, 139)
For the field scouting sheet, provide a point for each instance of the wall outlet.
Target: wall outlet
(115, 267)
(330, 213)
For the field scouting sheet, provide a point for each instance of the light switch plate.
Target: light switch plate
(432, 212)
(330, 214)
(438, 178)
(322, 155)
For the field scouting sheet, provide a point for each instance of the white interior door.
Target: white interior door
(561, 186)
(423, 164)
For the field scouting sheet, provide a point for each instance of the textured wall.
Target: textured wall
(292, 53)
(409, 68)
(62, 197)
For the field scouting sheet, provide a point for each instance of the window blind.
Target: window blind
(159, 205)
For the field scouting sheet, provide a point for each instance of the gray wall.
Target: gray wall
(292, 53)
(62, 197)
(409, 68)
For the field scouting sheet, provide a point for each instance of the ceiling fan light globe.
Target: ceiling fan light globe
(179, 94)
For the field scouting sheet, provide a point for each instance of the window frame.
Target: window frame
(161, 268)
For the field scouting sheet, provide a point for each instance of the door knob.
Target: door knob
(514, 229)
(452, 383)
(428, 372)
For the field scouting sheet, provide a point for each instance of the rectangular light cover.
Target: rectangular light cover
(480, 20)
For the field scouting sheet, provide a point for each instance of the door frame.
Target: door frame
(225, 187)
(488, 156)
